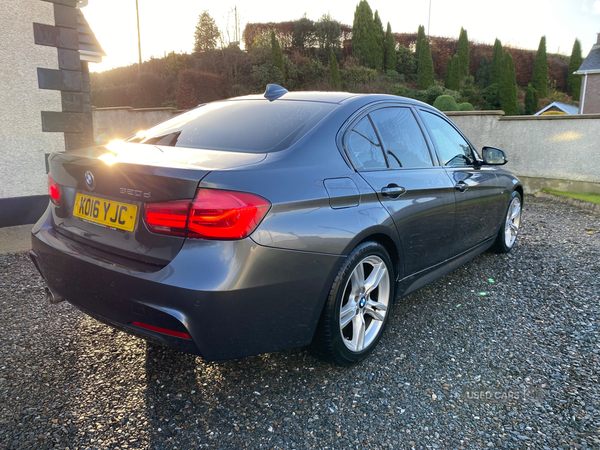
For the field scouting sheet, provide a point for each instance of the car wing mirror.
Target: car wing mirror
(493, 156)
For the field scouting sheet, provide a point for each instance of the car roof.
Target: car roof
(333, 97)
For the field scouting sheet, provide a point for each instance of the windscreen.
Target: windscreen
(248, 126)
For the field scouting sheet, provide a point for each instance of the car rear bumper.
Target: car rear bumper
(233, 298)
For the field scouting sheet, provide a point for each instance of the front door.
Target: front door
(478, 192)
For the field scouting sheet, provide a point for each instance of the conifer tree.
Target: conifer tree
(380, 38)
(574, 81)
(334, 72)
(540, 69)
(425, 73)
(277, 54)
(483, 73)
(531, 100)
(497, 66)
(508, 87)
(448, 71)
(454, 82)
(389, 50)
(420, 37)
(464, 53)
(364, 37)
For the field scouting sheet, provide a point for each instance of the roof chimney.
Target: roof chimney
(598, 41)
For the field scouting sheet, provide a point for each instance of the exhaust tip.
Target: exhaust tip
(52, 297)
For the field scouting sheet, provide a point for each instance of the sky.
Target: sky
(169, 25)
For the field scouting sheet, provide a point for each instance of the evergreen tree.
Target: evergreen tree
(303, 36)
(464, 53)
(574, 81)
(497, 65)
(448, 71)
(483, 73)
(540, 69)
(207, 33)
(277, 54)
(425, 74)
(454, 81)
(365, 37)
(389, 50)
(380, 35)
(531, 100)
(420, 37)
(334, 72)
(508, 87)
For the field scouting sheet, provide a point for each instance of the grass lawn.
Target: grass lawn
(594, 198)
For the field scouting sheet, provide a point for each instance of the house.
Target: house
(589, 102)
(558, 108)
(45, 102)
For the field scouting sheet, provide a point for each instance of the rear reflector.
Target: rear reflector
(178, 334)
(213, 214)
(54, 191)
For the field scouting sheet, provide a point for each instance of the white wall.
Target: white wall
(550, 147)
(22, 142)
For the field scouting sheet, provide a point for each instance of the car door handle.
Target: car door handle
(392, 191)
(461, 186)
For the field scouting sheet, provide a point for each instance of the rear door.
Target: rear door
(477, 190)
(389, 150)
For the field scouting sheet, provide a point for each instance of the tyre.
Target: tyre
(510, 227)
(357, 308)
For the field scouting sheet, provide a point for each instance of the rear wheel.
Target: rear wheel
(358, 305)
(510, 227)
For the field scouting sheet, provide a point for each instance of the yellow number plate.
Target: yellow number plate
(105, 212)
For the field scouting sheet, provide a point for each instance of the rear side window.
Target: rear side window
(364, 148)
(402, 138)
(249, 126)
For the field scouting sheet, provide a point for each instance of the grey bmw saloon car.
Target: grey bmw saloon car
(262, 223)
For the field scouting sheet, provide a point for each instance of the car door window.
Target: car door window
(364, 148)
(402, 138)
(453, 149)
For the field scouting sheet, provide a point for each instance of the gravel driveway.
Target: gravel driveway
(502, 353)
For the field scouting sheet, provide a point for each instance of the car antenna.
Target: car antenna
(274, 91)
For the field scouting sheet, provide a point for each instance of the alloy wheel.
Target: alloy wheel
(513, 220)
(365, 303)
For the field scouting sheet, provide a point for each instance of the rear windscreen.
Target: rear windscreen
(248, 126)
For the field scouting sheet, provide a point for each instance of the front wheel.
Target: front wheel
(358, 305)
(510, 227)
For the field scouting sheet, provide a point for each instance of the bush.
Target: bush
(491, 95)
(445, 103)
(354, 76)
(265, 74)
(406, 63)
(147, 92)
(433, 92)
(110, 97)
(312, 72)
(196, 88)
(403, 91)
(466, 106)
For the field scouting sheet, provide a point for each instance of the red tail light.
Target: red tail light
(222, 215)
(54, 191)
